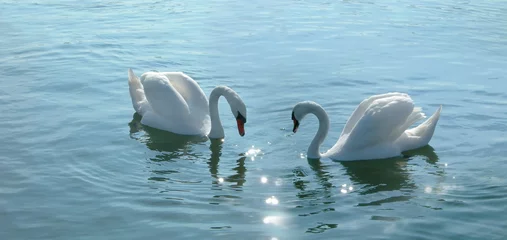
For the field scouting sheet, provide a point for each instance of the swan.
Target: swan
(377, 129)
(174, 102)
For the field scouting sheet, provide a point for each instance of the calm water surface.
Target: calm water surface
(75, 163)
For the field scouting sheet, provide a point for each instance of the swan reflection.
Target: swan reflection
(323, 190)
(366, 177)
(213, 163)
(387, 174)
(170, 145)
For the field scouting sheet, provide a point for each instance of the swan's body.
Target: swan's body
(174, 102)
(377, 129)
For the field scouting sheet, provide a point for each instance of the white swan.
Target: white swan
(174, 102)
(377, 129)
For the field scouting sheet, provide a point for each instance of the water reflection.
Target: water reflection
(213, 163)
(387, 174)
(170, 145)
(427, 151)
(171, 148)
(323, 190)
(366, 177)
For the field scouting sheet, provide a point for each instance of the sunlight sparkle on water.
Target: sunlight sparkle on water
(264, 179)
(272, 200)
(221, 180)
(428, 189)
(275, 220)
(346, 189)
(253, 153)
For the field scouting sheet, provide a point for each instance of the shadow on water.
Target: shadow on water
(213, 163)
(387, 174)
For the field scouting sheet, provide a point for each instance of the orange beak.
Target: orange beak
(241, 127)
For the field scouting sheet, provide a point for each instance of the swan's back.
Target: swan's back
(190, 90)
(195, 98)
(163, 98)
(383, 121)
(363, 107)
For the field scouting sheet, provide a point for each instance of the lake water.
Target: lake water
(75, 163)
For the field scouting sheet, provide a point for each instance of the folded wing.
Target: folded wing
(383, 121)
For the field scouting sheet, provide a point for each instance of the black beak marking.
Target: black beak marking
(240, 117)
(296, 123)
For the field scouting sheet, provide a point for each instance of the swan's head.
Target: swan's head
(237, 106)
(241, 120)
(300, 111)
(238, 109)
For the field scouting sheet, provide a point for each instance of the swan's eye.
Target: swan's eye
(240, 117)
(293, 117)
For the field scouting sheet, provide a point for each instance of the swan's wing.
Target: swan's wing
(139, 102)
(190, 90)
(196, 100)
(382, 121)
(163, 97)
(361, 109)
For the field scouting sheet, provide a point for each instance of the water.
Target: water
(76, 163)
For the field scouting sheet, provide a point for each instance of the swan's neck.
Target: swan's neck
(314, 148)
(217, 131)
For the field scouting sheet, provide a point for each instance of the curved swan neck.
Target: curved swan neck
(217, 130)
(314, 148)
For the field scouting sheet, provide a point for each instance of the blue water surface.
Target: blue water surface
(75, 162)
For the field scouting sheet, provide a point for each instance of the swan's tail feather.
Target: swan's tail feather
(136, 92)
(426, 129)
(415, 116)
